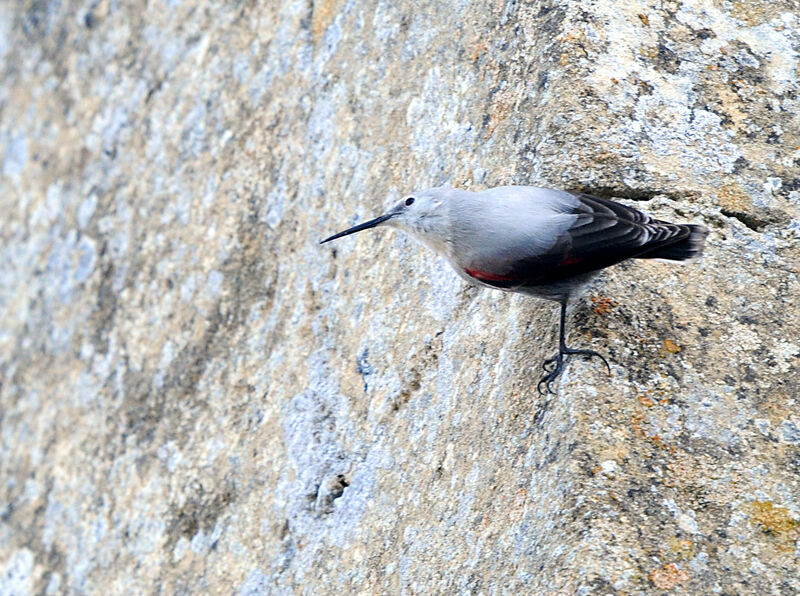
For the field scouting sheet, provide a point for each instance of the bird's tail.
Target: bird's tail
(689, 248)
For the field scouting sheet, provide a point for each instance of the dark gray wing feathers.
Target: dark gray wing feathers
(616, 229)
(606, 233)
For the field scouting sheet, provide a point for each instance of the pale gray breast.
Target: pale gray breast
(494, 228)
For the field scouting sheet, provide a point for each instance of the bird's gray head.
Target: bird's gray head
(423, 214)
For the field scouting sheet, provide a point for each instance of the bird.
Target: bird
(541, 242)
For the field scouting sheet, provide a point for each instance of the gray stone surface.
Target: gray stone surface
(197, 398)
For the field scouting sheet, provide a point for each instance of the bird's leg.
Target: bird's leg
(563, 350)
(558, 359)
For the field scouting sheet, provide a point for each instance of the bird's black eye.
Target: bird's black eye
(409, 201)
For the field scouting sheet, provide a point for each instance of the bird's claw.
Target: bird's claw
(546, 381)
(551, 375)
(590, 353)
(558, 360)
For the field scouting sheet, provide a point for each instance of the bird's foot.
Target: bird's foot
(557, 364)
(589, 353)
(551, 375)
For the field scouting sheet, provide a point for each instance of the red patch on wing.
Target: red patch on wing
(486, 276)
(569, 260)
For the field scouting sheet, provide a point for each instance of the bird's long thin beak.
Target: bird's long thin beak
(364, 226)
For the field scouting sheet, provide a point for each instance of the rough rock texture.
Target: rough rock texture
(197, 398)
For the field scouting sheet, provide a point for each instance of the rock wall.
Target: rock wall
(198, 398)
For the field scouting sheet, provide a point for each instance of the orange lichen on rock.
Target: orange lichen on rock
(732, 197)
(679, 472)
(479, 50)
(668, 576)
(671, 347)
(773, 520)
(662, 444)
(636, 424)
(602, 305)
(322, 17)
(682, 547)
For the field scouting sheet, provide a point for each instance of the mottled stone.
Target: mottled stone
(198, 398)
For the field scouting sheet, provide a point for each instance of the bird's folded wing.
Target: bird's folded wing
(603, 234)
